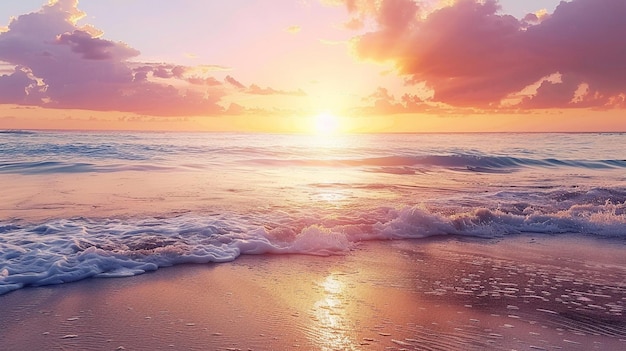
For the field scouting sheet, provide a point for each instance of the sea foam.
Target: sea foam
(66, 250)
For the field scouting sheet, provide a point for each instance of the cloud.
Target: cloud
(92, 48)
(234, 82)
(257, 90)
(19, 87)
(470, 54)
(382, 102)
(58, 64)
(208, 81)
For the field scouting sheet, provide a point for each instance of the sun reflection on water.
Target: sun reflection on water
(329, 313)
(331, 197)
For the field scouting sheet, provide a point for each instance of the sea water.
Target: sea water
(109, 204)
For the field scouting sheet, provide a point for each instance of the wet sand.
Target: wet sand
(523, 293)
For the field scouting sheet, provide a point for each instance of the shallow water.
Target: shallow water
(449, 293)
(79, 204)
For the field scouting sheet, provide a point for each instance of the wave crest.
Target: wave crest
(67, 250)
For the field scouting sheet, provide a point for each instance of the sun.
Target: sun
(326, 124)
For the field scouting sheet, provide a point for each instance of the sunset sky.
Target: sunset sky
(277, 66)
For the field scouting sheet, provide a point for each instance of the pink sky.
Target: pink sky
(377, 65)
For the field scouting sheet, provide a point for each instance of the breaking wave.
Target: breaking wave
(66, 250)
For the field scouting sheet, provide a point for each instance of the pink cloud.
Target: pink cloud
(257, 90)
(208, 81)
(19, 87)
(92, 48)
(234, 82)
(471, 55)
(59, 64)
(382, 102)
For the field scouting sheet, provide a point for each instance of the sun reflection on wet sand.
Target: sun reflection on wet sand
(329, 313)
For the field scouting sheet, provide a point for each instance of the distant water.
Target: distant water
(79, 204)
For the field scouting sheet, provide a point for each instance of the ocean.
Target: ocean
(113, 204)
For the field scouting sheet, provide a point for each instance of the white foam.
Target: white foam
(65, 250)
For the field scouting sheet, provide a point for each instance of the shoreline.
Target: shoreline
(526, 292)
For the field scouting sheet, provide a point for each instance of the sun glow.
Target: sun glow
(326, 124)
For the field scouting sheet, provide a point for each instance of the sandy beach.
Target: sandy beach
(437, 294)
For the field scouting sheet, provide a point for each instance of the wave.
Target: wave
(93, 152)
(50, 167)
(463, 162)
(66, 250)
(83, 151)
(17, 131)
